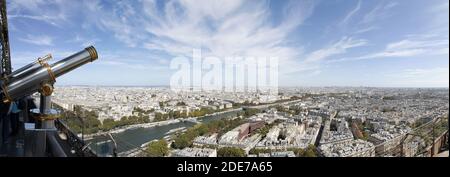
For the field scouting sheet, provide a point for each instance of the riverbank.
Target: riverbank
(174, 121)
(154, 124)
(265, 106)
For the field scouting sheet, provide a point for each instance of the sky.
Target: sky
(375, 43)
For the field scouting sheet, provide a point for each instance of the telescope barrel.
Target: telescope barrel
(76, 60)
(35, 76)
(30, 68)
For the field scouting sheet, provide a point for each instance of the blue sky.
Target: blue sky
(381, 43)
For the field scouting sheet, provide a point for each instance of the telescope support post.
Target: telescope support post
(41, 144)
(46, 140)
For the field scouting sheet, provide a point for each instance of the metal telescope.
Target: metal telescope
(40, 76)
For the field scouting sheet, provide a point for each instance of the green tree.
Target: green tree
(181, 142)
(157, 149)
(250, 112)
(217, 126)
(258, 151)
(230, 152)
(310, 151)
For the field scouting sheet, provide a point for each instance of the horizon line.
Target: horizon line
(331, 86)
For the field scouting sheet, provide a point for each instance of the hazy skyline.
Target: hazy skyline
(390, 43)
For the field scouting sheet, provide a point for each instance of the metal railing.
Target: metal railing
(79, 147)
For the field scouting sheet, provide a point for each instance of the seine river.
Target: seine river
(134, 138)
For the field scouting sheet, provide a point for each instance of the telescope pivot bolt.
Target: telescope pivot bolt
(46, 89)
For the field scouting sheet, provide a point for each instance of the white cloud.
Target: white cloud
(39, 10)
(339, 47)
(207, 8)
(380, 11)
(367, 29)
(84, 42)
(235, 28)
(41, 40)
(390, 5)
(312, 62)
(221, 28)
(32, 5)
(351, 13)
(414, 45)
(48, 19)
(127, 64)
